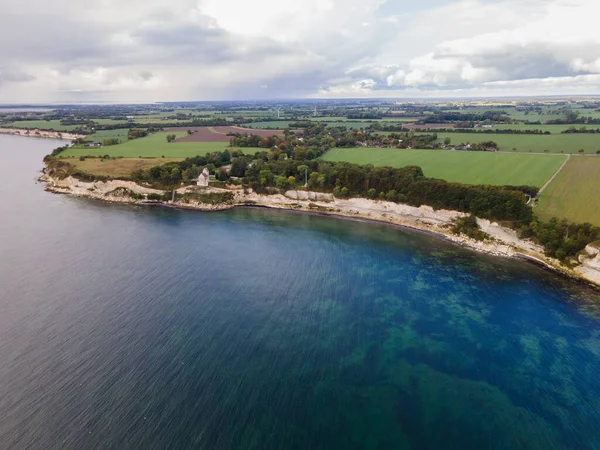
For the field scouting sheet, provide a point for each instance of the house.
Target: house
(491, 149)
(203, 178)
(93, 144)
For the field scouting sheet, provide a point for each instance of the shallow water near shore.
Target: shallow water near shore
(136, 327)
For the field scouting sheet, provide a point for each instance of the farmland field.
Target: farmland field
(573, 194)
(525, 143)
(156, 146)
(110, 122)
(462, 167)
(101, 135)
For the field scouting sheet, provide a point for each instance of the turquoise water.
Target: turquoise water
(128, 327)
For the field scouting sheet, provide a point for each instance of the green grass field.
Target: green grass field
(109, 122)
(153, 146)
(41, 124)
(573, 194)
(462, 167)
(526, 143)
(120, 134)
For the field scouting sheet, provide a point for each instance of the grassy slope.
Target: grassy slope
(555, 143)
(154, 146)
(573, 194)
(463, 167)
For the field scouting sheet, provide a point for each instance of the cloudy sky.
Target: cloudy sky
(173, 50)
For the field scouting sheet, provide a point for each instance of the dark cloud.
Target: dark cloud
(8, 74)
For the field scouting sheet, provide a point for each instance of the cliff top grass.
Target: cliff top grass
(573, 194)
(153, 146)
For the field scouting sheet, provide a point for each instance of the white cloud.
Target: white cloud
(157, 50)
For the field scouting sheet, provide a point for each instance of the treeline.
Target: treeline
(455, 129)
(490, 131)
(253, 140)
(366, 116)
(451, 116)
(584, 130)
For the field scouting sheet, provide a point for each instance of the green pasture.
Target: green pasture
(529, 143)
(153, 146)
(101, 135)
(573, 194)
(459, 166)
(110, 122)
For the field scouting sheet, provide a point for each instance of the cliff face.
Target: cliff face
(590, 264)
(503, 242)
(97, 189)
(41, 133)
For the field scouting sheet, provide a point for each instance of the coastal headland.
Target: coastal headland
(501, 241)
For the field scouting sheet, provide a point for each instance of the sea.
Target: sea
(139, 327)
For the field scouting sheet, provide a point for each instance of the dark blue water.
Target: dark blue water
(128, 327)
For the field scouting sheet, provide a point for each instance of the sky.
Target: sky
(193, 50)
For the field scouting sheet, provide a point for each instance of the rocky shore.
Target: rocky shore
(502, 242)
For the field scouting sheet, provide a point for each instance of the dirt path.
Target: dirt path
(555, 174)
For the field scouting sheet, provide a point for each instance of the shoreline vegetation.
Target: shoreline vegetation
(499, 241)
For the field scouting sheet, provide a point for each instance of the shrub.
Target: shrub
(468, 226)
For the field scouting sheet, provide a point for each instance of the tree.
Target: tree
(171, 137)
(225, 157)
(136, 133)
(175, 174)
(302, 169)
(447, 141)
(222, 175)
(239, 166)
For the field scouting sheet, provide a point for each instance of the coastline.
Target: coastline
(503, 241)
(41, 134)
